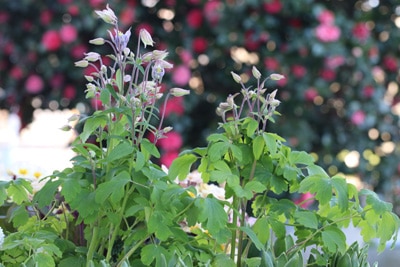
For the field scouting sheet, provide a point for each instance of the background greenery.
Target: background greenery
(340, 58)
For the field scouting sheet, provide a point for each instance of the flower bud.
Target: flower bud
(145, 37)
(107, 15)
(276, 77)
(256, 73)
(74, 117)
(92, 56)
(179, 92)
(66, 128)
(236, 77)
(89, 78)
(81, 63)
(167, 129)
(97, 41)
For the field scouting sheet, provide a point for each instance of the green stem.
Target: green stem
(234, 230)
(131, 251)
(92, 246)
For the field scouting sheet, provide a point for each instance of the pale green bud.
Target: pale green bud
(145, 37)
(92, 56)
(66, 128)
(81, 63)
(97, 41)
(276, 77)
(236, 77)
(89, 78)
(256, 73)
(74, 117)
(167, 129)
(107, 15)
(179, 92)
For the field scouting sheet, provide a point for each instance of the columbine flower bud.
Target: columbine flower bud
(236, 77)
(97, 41)
(89, 78)
(159, 54)
(74, 117)
(179, 92)
(107, 15)
(145, 37)
(92, 56)
(167, 129)
(66, 128)
(230, 101)
(276, 77)
(256, 73)
(157, 72)
(82, 63)
(274, 102)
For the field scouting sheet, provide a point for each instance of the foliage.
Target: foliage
(117, 207)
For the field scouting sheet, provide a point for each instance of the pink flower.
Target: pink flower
(195, 18)
(34, 84)
(361, 31)
(252, 41)
(171, 142)
(174, 105)
(271, 64)
(358, 117)
(212, 11)
(303, 200)
(73, 10)
(333, 62)
(310, 94)
(299, 71)
(368, 91)
(327, 33)
(51, 40)
(68, 33)
(57, 80)
(16, 73)
(390, 63)
(185, 56)
(199, 45)
(326, 17)
(127, 16)
(181, 75)
(46, 16)
(96, 3)
(78, 51)
(69, 92)
(145, 26)
(273, 6)
(328, 74)
(168, 157)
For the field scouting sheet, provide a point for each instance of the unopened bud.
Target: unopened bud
(276, 77)
(97, 41)
(256, 73)
(236, 77)
(167, 129)
(179, 92)
(107, 15)
(81, 63)
(92, 56)
(74, 117)
(89, 78)
(66, 128)
(145, 37)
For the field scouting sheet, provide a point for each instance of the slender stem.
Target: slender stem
(131, 251)
(92, 246)
(234, 230)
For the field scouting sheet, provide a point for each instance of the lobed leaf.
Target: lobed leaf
(180, 167)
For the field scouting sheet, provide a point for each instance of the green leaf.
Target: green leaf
(262, 230)
(43, 260)
(253, 237)
(91, 125)
(339, 185)
(223, 260)
(301, 157)
(318, 184)
(376, 203)
(334, 239)
(121, 150)
(307, 218)
(158, 224)
(18, 191)
(180, 167)
(218, 150)
(119, 80)
(217, 137)
(255, 186)
(258, 147)
(19, 216)
(45, 195)
(105, 97)
(113, 189)
(251, 127)
(140, 161)
(70, 188)
(150, 252)
(212, 215)
(149, 149)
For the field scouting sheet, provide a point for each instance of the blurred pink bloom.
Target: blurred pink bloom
(273, 6)
(168, 157)
(96, 3)
(46, 16)
(327, 33)
(127, 16)
(271, 64)
(34, 84)
(326, 17)
(145, 26)
(195, 18)
(358, 117)
(69, 92)
(171, 142)
(73, 10)
(328, 74)
(299, 71)
(199, 45)
(51, 40)
(57, 80)
(212, 11)
(361, 31)
(185, 56)
(390, 63)
(16, 73)
(368, 91)
(174, 105)
(4, 16)
(68, 33)
(78, 51)
(310, 94)
(181, 75)
(333, 62)
(64, 2)
(303, 200)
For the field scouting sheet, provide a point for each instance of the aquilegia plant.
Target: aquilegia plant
(116, 207)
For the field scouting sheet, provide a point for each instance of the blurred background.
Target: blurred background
(340, 98)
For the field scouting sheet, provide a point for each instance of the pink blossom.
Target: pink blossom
(303, 200)
(327, 33)
(195, 18)
(16, 73)
(310, 94)
(69, 92)
(46, 16)
(96, 3)
(4, 17)
(299, 71)
(78, 51)
(174, 106)
(68, 33)
(181, 75)
(368, 91)
(172, 141)
(199, 45)
(185, 56)
(127, 16)
(168, 157)
(326, 17)
(333, 62)
(271, 64)
(361, 31)
(57, 80)
(390, 63)
(358, 117)
(73, 10)
(273, 6)
(51, 40)
(212, 11)
(34, 84)
(328, 74)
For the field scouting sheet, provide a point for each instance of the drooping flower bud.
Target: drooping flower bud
(92, 56)
(107, 15)
(97, 41)
(157, 72)
(179, 92)
(65, 128)
(145, 37)
(74, 117)
(256, 73)
(236, 77)
(276, 77)
(81, 63)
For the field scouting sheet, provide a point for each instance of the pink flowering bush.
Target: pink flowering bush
(339, 56)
